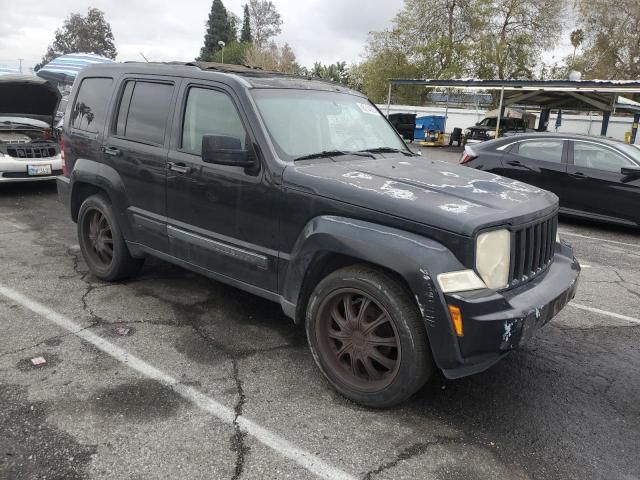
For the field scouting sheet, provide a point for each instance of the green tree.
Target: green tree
(245, 36)
(234, 53)
(82, 34)
(265, 21)
(219, 28)
(611, 38)
(453, 38)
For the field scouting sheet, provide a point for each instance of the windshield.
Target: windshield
(631, 150)
(305, 122)
(7, 121)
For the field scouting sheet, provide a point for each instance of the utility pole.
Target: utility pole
(21, 60)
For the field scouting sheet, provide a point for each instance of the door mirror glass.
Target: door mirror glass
(224, 150)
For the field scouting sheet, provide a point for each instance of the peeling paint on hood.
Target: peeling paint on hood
(451, 197)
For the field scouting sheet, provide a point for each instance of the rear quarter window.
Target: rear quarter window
(90, 108)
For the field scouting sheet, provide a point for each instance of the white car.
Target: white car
(28, 151)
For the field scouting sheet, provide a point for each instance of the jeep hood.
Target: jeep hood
(446, 196)
(30, 97)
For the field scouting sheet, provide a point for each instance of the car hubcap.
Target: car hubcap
(358, 339)
(100, 237)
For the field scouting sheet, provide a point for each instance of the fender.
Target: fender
(108, 179)
(415, 258)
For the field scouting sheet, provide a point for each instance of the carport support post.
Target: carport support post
(634, 128)
(605, 123)
(544, 119)
(499, 112)
(389, 101)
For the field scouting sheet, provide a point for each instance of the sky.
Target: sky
(317, 30)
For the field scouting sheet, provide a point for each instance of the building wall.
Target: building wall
(587, 124)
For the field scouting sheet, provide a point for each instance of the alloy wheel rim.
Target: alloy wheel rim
(358, 339)
(100, 237)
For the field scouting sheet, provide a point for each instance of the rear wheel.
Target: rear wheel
(367, 336)
(101, 241)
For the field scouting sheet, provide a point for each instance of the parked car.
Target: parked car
(594, 177)
(28, 150)
(300, 191)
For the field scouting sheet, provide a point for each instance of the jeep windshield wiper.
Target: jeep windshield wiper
(388, 150)
(332, 153)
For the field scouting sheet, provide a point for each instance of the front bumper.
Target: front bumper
(496, 323)
(16, 170)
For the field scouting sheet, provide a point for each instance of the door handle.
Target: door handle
(579, 175)
(114, 152)
(178, 167)
(514, 163)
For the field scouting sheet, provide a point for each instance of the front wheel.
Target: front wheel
(101, 241)
(367, 336)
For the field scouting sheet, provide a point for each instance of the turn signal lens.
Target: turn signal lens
(456, 319)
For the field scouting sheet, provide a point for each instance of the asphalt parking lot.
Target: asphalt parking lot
(211, 382)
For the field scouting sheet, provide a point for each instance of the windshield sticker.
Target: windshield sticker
(367, 109)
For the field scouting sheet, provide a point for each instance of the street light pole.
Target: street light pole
(221, 44)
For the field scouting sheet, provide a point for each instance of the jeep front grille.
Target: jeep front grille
(532, 250)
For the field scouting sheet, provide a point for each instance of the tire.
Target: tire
(357, 357)
(101, 241)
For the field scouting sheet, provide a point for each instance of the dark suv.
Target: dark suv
(300, 191)
(486, 129)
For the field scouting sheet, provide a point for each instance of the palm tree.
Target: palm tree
(577, 37)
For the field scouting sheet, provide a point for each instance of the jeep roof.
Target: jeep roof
(248, 77)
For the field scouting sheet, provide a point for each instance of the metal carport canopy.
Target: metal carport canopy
(584, 95)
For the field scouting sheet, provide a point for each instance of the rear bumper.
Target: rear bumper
(497, 323)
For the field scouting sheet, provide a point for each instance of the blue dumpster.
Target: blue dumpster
(428, 123)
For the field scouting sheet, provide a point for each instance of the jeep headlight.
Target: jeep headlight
(491, 133)
(467, 131)
(493, 254)
(460, 281)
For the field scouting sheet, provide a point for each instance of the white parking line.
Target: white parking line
(605, 312)
(307, 460)
(597, 239)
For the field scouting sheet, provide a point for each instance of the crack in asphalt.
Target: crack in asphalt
(90, 287)
(409, 452)
(238, 438)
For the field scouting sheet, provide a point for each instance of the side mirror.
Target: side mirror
(477, 123)
(630, 171)
(223, 150)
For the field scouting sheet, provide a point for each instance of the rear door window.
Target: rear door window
(144, 117)
(90, 107)
(544, 150)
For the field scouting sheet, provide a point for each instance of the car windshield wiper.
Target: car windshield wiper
(389, 150)
(332, 153)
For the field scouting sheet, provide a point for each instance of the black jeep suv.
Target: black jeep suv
(300, 191)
